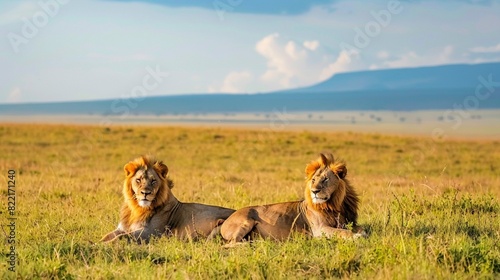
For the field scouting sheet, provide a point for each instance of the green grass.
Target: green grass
(431, 208)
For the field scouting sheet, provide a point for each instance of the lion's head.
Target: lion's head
(146, 185)
(328, 189)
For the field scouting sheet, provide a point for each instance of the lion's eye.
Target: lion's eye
(325, 180)
(153, 181)
(313, 180)
(138, 180)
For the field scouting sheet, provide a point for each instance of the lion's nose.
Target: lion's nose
(315, 191)
(145, 193)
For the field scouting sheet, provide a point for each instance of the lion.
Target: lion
(329, 207)
(150, 209)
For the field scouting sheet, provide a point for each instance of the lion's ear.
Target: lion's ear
(130, 168)
(341, 171)
(161, 169)
(325, 159)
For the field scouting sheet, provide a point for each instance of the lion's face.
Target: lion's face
(325, 187)
(322, 185)
(146, 182)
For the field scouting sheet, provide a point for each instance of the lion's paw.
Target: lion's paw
(361, 234)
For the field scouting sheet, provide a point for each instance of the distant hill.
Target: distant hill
(425, 88)
(457, 76)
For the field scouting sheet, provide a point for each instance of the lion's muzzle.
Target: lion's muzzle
(317, 199)
(144, 202)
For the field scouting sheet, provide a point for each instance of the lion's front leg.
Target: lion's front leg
(336, 232)
(112, 236)
(137, 236)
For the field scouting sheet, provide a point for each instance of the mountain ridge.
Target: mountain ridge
(449, 76)
(407, 89)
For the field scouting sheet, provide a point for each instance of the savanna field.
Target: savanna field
(431, 208)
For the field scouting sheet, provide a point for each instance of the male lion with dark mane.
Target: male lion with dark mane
(330, 205)
(150, 208)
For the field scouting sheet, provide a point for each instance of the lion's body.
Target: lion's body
(150, 208)
(330, 204)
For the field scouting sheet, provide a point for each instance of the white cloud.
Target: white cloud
(412, 59)
(291, 64)
(492, 49)
(14, 95)
(311, 45)
(236, 82)
(346, 61)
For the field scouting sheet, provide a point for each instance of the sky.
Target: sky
(72, 50)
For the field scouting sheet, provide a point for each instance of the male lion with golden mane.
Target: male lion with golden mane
(150, 208)
(330, 204)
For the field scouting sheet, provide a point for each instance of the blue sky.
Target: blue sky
(60, 50)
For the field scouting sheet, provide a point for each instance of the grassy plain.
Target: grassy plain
(432, 208)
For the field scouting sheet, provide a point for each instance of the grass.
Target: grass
(431, 208)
